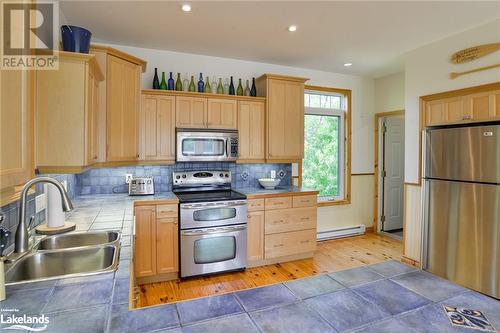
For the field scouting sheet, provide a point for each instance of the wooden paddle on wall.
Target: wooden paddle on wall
(473, 53)
(454, 75)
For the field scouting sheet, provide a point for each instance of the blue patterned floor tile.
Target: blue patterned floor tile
(345, 310)
(26, 301)
(356, 276)
(391, 325)
(208, 308)
(258, 298)
(121, 291)
(79, 321)
(391, 268)
(428, 285)
(391, 296)
(142, 320)
(240, 323)
(313, 286)
(295, 317)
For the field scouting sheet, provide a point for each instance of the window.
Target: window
(323, 167)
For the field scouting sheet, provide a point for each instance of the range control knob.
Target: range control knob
(177, 177)
(222, 175)
(183, 176)
(227, 175)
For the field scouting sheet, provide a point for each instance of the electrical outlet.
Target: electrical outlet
(128, 177)
(273, 174)
(40, 202)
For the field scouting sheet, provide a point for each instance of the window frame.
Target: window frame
(346, 131)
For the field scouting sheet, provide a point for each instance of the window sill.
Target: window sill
(334, 203)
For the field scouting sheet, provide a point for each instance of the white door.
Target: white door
(393, 145)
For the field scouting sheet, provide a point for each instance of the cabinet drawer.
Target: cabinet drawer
(166, 211)
(255, 204)
(290, 243)
(305, 201)
(278, 203)
(290, 220)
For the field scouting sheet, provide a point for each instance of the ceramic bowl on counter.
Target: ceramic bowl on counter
(269, 183)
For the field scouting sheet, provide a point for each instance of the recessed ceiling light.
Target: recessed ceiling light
(292, 28)
(186, 7)
(348, 64)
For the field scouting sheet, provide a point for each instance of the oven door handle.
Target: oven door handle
(205, 206)
(211, 231)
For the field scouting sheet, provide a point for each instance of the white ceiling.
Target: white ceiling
(371, 35)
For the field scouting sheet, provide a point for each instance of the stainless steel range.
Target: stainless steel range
(213, 223)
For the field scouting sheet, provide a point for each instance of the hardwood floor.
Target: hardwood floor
(331, 256)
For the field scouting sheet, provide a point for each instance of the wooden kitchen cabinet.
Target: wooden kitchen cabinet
(167, 245)
(255, 235)
(145, 241)
(483, 106)
(190, 112)
(67, 113)
(251, 130)
(157, 128)
(284, 116)
(222, 114)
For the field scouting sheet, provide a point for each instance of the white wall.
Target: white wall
(427, 71)
(390, 93)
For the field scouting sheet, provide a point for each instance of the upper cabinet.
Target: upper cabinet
(190, 112)
(251, 130)
(67, 113)
(284, 116)
(466, 108)
(16, 130)
(157, 128)
(222, 113)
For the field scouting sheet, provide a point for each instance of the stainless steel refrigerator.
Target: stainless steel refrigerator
(462, 205)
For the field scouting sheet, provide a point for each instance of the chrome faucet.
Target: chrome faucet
(21, 244)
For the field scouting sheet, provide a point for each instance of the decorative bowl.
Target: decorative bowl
(269, 183)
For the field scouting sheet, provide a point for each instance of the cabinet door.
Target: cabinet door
(145, 241)
(222, 113)
(92, 119)
(157, 135)
(255, 235)
(16, 127)
(167, 237)
(122, 109)
(446, 111)
(484, 106)
(285, 120)
(190, 112)
(251, 124)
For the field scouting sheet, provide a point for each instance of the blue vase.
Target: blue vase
(171, 83)
(201, 85)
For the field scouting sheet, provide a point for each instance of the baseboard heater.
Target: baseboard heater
(341, 232)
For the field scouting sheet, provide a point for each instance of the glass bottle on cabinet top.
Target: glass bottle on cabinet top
(253, 91)
(214, 86)
(231, 87)
(247, 89)
(208, 88)
(156, 81)
(226, 86)
(171, 84)
(163, 84)
(178, 83)
(185, 82)
(239, 91)
(201, 84)
(220, 88)
(192, 87)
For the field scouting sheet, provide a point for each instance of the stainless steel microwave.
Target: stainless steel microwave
(206, 145)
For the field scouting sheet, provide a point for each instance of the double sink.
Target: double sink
(67, 255)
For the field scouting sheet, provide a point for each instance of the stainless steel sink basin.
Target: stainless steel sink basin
(46, 265)
(78, 239)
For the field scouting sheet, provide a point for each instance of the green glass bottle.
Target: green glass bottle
(208, 89)
(163, 84)
(192, 86)
(239, 90)
(178, 82)
(220, 87)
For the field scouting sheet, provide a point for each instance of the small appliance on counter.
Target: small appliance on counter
(141, 186)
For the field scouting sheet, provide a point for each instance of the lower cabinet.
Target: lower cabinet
(156, 240)
(255, 236)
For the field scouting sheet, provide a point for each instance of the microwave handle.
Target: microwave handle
(228, 147)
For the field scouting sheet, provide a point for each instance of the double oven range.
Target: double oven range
(213, 223)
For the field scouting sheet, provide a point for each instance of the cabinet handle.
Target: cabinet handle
(278, 245)
(304, 219)
(304, 242)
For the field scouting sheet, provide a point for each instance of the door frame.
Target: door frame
(376, 143)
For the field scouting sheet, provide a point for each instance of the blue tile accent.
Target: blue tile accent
(73, 296)
(208, 308)
(345, 310)
(258, 298)
(428, 285)
(391, 268)
(79, 321)
(143, 320)
(295, 317)
(242, 323)
(429, 319)
(313, 286)
(391, 296)
(356, 276)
